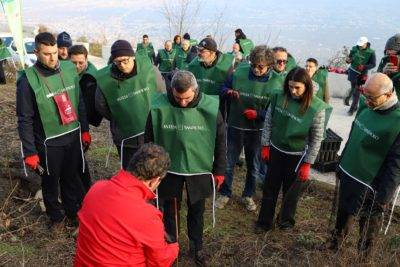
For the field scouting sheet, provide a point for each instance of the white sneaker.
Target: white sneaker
(221, 202)
(249, 203)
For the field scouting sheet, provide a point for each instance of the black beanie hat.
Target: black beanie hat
(121, 48)
(64, 40)
(186, 36)
(209, 44)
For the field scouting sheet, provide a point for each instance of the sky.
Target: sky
(307, 28)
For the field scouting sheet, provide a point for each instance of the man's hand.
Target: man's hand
(32, 161)
(360, 68)
(233, 94)
(250, 114)
(390, 68)
(219, 179)
(86, 140)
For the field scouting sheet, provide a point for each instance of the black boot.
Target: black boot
(346, 101)
(198, 257)
(338, 236)
(368, 233)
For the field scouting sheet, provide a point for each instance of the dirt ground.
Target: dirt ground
(25, 239)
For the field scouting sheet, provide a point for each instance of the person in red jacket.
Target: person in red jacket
(117, 224)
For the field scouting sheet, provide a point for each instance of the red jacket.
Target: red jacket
(117, 227)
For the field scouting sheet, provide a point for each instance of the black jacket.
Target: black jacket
(30, 127)
(198, 186)
(88, 87)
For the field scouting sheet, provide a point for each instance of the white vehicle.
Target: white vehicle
(29, 46)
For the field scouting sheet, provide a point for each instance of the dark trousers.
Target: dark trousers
(280, 174)
(2, 74)
(85, 179)
(355, 93)
(127, 155)
(167, 79)
(194, 220)
(251, 141)
(63, 164)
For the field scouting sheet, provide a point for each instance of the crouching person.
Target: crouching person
(117, 224)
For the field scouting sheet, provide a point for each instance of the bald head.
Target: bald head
(378, 84)
(168, 45)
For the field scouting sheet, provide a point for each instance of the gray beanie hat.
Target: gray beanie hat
(393, 43)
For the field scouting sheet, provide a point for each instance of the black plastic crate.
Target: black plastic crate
(327, 157)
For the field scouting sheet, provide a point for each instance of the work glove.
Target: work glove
(390, 68)
(233, 94)
(86, 139)
(219, 179)
(304, 171)
(250, 114)
(265, 153)
(360, 67)
(32, 161)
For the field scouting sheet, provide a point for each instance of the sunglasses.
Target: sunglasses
(281, 61)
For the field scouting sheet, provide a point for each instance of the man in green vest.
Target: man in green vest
(361, 59)
(236, 54)
(51, 125)
(284, 62)
(125, 89)
(319, 78)
(4, 54)
(369, 169)
(390, 63)
(184, 55)
(193, 42)
(146, 47)
(86, 70)
(249, 90)
(64, 42)
(246, 45)
(189, 126)
(166, 61)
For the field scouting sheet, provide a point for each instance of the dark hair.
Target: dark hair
(261, 53)
(78, 50)
(279, 49)
(241, 34)
(299, 74)
(149, 161)
(176, 38)
(145, 36)
(44, 38)
(313, 60)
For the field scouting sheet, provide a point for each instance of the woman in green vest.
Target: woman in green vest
(246, 45)
(293, 131)
(319, 78)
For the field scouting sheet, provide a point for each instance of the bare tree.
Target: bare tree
(339, 58)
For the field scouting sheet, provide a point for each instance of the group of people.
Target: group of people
(180, 120)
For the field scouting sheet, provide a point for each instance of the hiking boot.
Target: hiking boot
(57, 228)
(249, 203)
(350, 112)
(221, 202)
(198, 257)
(260, 228)
(71, 223)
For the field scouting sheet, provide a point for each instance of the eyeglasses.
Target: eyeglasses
(259, 66)
(122, 61)
(371, 98)
(281, 61)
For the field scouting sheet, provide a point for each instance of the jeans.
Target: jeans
(251, 141)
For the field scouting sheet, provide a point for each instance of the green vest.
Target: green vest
(187, 134)
(45, 88)
(180, 58)
(290, 128)
(278, 78)
(360, 56)
(145, 50)
(166, 60)
(372, 134)
(193, 42)
(129, 100)
(4, 52)
(246, 45)
(290, 64)
(320, 78)
(253, 94)
(90, 70)
(211, 79)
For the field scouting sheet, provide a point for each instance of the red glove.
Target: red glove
(265, 153)
(86, 139)
(304, 171)
(360, 67)
(250, 114)
(233, 94)
(219, 179)
(32, 161)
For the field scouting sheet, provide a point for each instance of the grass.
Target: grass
(25, 239)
